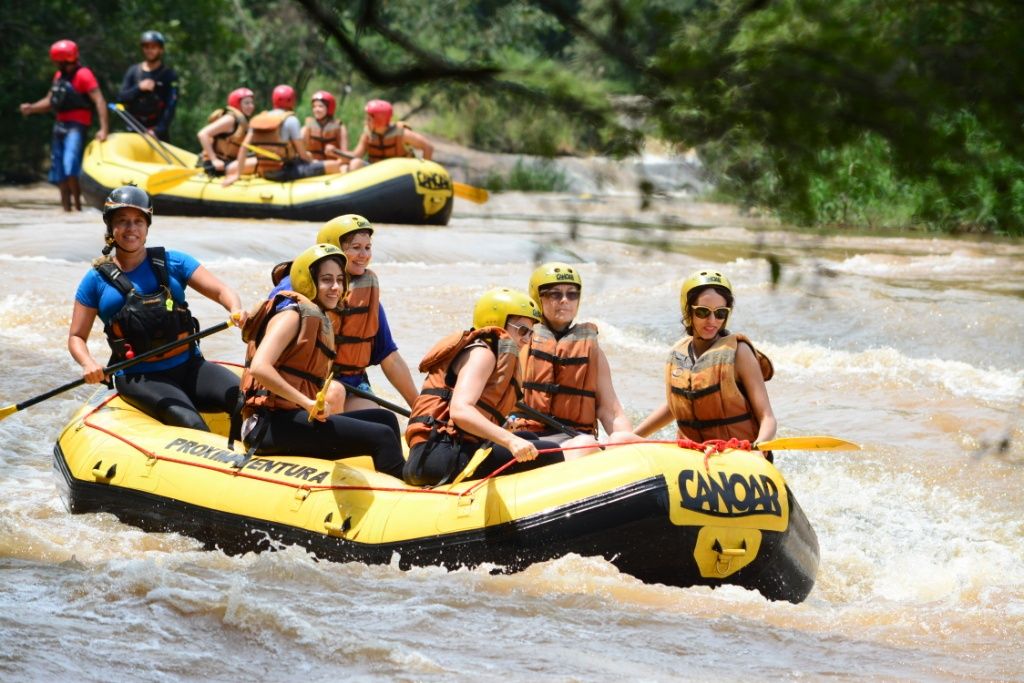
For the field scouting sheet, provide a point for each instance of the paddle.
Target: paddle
(356, 391)
(474, 462)
(477, 195)
(807, 443)
(169, 178)
(116, 367)
(137, 127)
(263, 152)
(321, 398)
(547, 419)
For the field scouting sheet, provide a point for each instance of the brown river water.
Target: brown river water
(911, 346)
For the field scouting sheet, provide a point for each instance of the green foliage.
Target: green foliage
(537, 176)
(875, 113)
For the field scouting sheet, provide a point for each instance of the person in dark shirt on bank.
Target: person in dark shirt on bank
(149, 90)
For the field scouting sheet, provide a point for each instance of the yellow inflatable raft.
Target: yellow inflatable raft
(658, 512)
(410, 191)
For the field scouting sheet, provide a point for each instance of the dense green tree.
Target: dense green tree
(844, 112)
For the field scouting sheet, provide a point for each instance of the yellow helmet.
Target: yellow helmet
(554, 273)
(701, 278)
(495, 306)
(335, 229)
(301, 272)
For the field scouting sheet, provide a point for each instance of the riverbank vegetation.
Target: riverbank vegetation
(861, 113)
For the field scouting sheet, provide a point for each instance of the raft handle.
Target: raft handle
(727, 555)
(97, 471)
(335, 529)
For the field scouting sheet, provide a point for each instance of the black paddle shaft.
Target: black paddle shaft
(117, 367)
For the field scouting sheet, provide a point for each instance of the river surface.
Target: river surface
(910, 346)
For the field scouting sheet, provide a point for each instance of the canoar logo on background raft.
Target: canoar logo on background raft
(732, 495)
(288, 469)
(433, 181)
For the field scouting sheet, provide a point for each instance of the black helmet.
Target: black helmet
(152, 37)
(127, 196)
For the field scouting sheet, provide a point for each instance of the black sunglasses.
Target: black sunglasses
(703, 312)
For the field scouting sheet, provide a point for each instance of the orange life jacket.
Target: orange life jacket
(390, 143)
(360, 321)
(704, 394)
(225, 145)
(266, 133)
(303, 364)
(560, 378)
(431, 410)
(320, 134)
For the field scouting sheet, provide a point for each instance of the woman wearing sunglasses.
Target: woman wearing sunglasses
(472, 385)
(714, 378)
(566, 375)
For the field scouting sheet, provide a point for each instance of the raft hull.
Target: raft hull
(625, 514)
(409, 191)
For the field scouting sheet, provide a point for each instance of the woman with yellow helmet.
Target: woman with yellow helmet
(290, 351)
(364, 337)
(565, 373)
(715, 379)
(471, 387)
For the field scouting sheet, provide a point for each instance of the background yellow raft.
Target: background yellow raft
(411, 191)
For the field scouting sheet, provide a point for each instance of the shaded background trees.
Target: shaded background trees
(877, 113)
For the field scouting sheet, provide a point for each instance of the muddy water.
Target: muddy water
(910, 346)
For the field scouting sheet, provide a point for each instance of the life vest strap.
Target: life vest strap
(695, 394)
(549, 388)
(705, 424)
(559, 360)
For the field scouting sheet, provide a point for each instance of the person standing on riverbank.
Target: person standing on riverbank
(73, 91)
(714, 378)
(149, 90)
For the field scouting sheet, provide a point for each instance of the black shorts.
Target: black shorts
(293, 170)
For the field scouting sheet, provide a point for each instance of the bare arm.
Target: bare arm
(206, 135)
(397, 371)
(477, 365)
(655, 421)
(419, 142)
(38, 107)
(82, 318)
(101, 110)
(748, 370)
(207, 284)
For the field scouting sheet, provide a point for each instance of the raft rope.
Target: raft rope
(708, 448)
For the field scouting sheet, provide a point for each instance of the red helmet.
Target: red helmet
(327, 98)
(380, 111)
(283, 97)
(64, 51)
(237, 95)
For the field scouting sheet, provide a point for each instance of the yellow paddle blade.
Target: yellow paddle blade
(8, 410)
(808, 443)
(263, 152)
(474, 462)
(169, 178)
(474, 194)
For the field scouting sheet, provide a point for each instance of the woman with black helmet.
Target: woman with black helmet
(139, 294)
(290, 353)
(715, 379)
